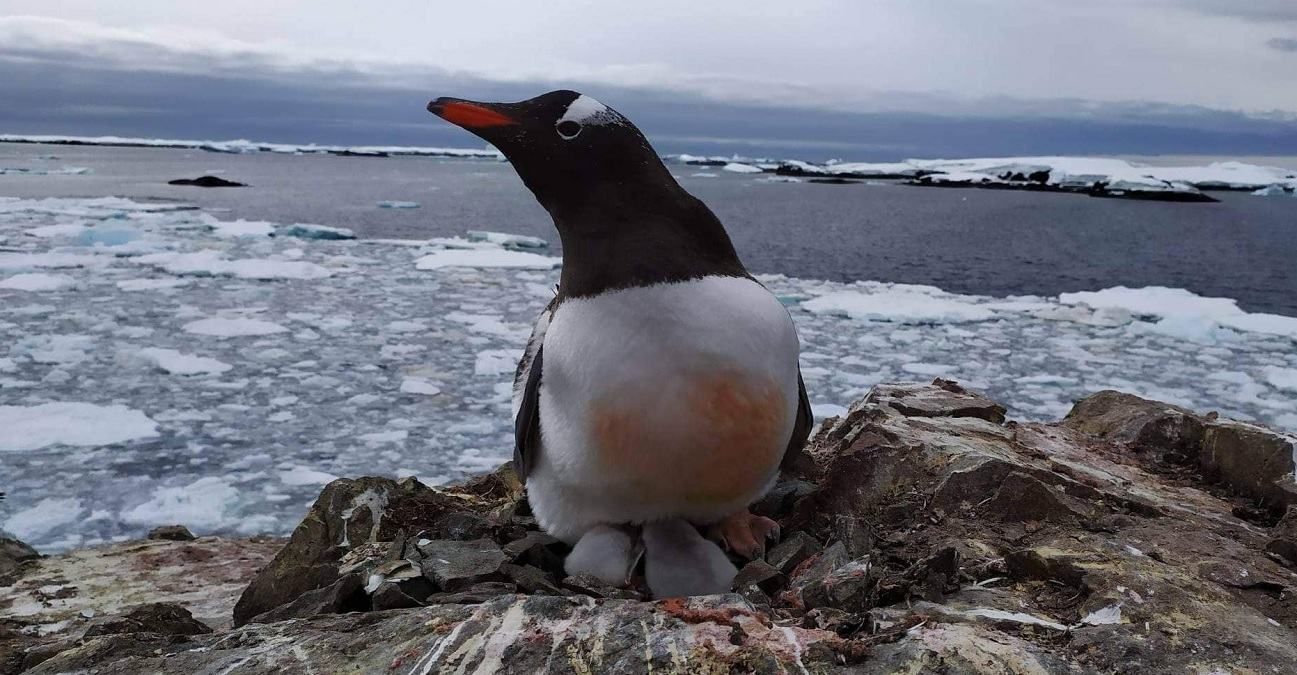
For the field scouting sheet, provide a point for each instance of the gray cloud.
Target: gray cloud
(70, 92)
(1252, 10)
(1282, 44)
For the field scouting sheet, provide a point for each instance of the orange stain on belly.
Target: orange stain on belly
(720, 442)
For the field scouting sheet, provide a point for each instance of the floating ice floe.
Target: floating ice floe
(1288, 189)
(416, 385)
(243, 228)
(233, 327)
(899, 303)
(37, 281)
(308, 231)
(486, 257)
(65, 171)
(389, 204)
(177, 363)
(738, 167)
(200, 505)
(507, 240)
(212, 263)
(71, 423)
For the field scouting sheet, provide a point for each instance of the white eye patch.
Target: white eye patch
(585, 110)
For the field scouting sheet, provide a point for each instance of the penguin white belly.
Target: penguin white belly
(668, 401)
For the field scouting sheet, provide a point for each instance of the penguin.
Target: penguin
(661, 389)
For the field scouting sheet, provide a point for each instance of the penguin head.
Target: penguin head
(565, 146)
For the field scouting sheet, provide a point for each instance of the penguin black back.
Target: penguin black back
(623, 219)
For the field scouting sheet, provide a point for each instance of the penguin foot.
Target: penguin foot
(678, 561)
(607, 553)
(744, 533)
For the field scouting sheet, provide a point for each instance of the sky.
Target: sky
(859, 79)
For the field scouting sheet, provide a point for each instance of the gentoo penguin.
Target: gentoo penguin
(661, 389)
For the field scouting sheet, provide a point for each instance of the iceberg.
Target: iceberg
(397, 205)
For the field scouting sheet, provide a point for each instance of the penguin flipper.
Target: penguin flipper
(801, 427)
(526, 398)
(678, 561)
(526, 425)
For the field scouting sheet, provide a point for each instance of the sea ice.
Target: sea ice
(233, 327)
(415, 385)
(200, 505)
(507, 240)
(80, 424)
(899, 303)
(37, 281)
(308, 231)
(243, 228)
(321, 362)
(485, 258)
(131, 285)
(210, 262)
(301, 475)
(176, 363)
(48, 514)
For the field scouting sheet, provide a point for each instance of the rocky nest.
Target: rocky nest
(921, 533)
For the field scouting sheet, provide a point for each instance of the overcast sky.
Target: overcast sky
(1222, 66)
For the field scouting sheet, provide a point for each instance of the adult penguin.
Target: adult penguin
(661, 389)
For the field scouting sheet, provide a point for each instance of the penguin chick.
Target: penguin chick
(605, 553)
(678, 561)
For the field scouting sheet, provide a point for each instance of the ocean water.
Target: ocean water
(182, 356)
(966, 241)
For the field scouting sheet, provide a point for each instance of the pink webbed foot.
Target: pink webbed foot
(744, 533)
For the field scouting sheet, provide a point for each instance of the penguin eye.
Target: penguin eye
(568, 129)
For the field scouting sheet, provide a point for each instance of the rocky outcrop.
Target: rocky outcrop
(921, 533)
(207, 182)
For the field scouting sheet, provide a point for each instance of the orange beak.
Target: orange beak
(469, 115)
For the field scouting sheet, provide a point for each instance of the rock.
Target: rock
(347, 594)
(943, 399)
(789, 553)
(349, 513)
(758, 582)
(62, 593)
(1283, 540)
(1172, 433)
(13, 554)
(454, 565)
(171, 533)
(781, 499)
(1252, 460)
(206, 181)
(537, 549)
(585, 584)
(1021, 497)
(849, 587)
(520, 634)
(952, 542)
(163, 618)
(531, 579)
